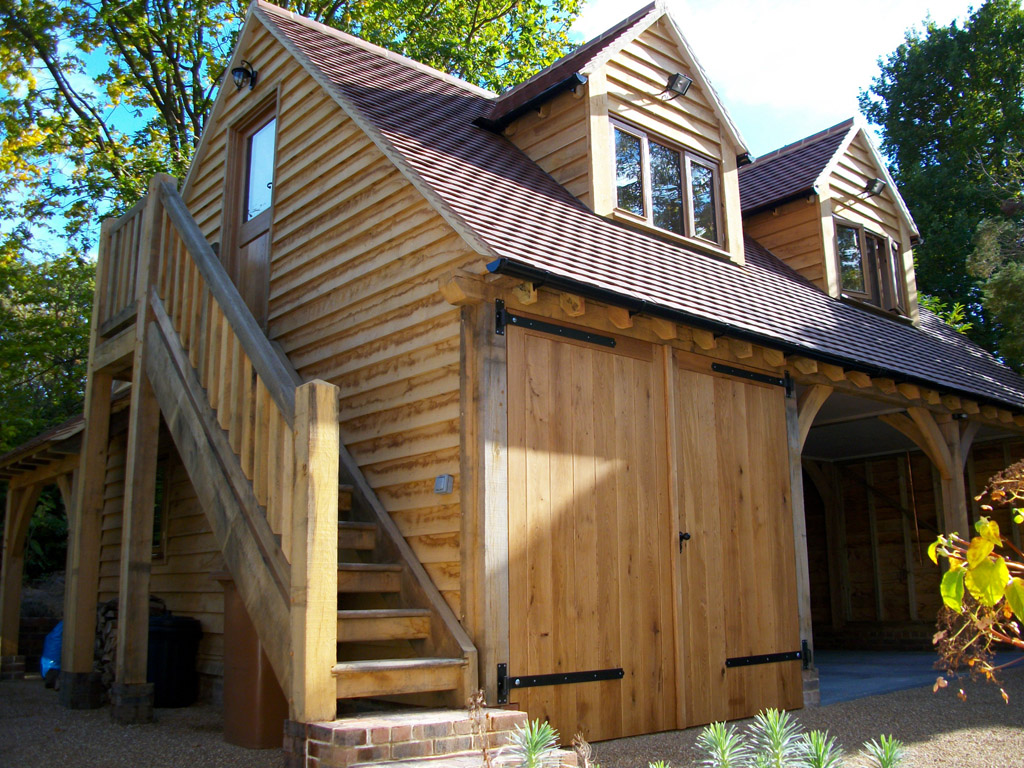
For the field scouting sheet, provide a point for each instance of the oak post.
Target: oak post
(795, 437)
(20, 505)
(314, 554)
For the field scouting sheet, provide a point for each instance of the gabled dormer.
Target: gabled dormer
(827, 206)
(630, 125)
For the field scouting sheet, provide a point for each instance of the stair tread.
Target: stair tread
(384, 613)
(371, 567)
(356, 526)
(370, 665)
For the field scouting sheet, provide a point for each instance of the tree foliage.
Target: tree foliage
(948, 103)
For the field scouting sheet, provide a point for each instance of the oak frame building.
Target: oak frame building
(569, 357)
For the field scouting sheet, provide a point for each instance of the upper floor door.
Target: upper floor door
(251, 209)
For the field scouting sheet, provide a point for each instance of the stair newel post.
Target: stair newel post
(314, 554)
(132, 696)
(79, 689)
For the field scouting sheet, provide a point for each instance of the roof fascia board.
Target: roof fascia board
(514, 268)
(624, 39)
(223, 93)
(704, 82)
(856, 128)
(367, 125)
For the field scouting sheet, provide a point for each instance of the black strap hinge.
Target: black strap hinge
(764, 658)
(506, 683)
(504, 318)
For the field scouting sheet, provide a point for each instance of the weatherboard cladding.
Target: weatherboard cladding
(789, 171)
(515, 212)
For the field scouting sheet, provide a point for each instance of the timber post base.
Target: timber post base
(81, 690)
(812, 693)
(402, 736)
(131, 704)
(12, 667)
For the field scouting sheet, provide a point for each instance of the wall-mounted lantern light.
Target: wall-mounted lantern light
(875, 187)
(244, 74)
(679, 84)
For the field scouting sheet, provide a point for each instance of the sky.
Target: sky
(786, 69)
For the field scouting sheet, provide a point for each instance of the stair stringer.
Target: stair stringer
(250, 550)
(447, 637)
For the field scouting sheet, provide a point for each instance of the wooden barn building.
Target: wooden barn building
(552, 393)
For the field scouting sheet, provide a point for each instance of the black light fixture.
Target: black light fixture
(679, 84)
(875, 187)
(244, 74)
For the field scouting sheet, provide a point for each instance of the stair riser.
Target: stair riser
(355, 581)
(356, 630)
(362, 540)
(386, 682)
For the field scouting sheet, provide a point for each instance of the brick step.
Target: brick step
(356, 535)
(389, 677)
(474, 759)
(369, 577)
(383, 624)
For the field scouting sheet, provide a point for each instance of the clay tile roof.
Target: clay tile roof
(516, 215)
(790, 171)
(506, 105)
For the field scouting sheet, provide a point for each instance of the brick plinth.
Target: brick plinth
(432, 737)
(12, 667)
(812, 694)
(131, 704)
(81, 690)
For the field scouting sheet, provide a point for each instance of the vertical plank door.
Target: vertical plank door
(737, 567)
(591, 540)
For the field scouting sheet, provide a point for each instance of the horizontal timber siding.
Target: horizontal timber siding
(356, 255)
(556, 139)
(793, 233)
(181, 577)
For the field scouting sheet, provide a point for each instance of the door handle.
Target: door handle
(683, 536)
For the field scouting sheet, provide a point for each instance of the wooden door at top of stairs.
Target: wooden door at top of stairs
(738, 596)
(591, 541)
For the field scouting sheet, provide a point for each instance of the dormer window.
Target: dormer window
(869, 267)
(669, 188)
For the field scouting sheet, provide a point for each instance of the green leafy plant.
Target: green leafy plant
(775, 737)
(659, 764)
(819, 750)
(887, 752)
(777, 741)
(724, 746)
(534, 745)
(983, 587)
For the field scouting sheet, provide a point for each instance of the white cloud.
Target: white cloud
(788, 68)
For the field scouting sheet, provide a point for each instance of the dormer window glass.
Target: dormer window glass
(672, 189)
(869, 267)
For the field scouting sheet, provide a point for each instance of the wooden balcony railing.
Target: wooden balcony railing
(120, 244)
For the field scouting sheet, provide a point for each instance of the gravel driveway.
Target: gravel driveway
(36, 732)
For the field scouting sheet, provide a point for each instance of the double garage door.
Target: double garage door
(650, 531)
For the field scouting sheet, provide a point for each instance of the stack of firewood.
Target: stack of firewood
(105, 653)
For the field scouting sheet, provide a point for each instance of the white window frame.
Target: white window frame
(686, 157)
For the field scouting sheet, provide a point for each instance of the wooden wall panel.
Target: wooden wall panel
(356, 256)
(556, 139)
(793, 233)
(182, 576)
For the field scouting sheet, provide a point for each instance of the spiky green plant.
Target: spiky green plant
(887, 752)
(659, 764)
(534, 745)
(819, 750)
(776, 738)
(724, 746)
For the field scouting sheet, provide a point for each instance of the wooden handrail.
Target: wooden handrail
(277, 379)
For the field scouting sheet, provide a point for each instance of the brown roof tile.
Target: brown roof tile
(791, 170)
(519, 216)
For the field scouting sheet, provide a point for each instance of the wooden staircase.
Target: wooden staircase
(383, 640)
(263, 453)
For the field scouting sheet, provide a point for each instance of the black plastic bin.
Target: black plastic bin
(173, 645)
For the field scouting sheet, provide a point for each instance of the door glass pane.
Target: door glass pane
(851, 263)
(896, 271)
(260, 181)
(629, 175)
(666, 188)
(702, 188)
